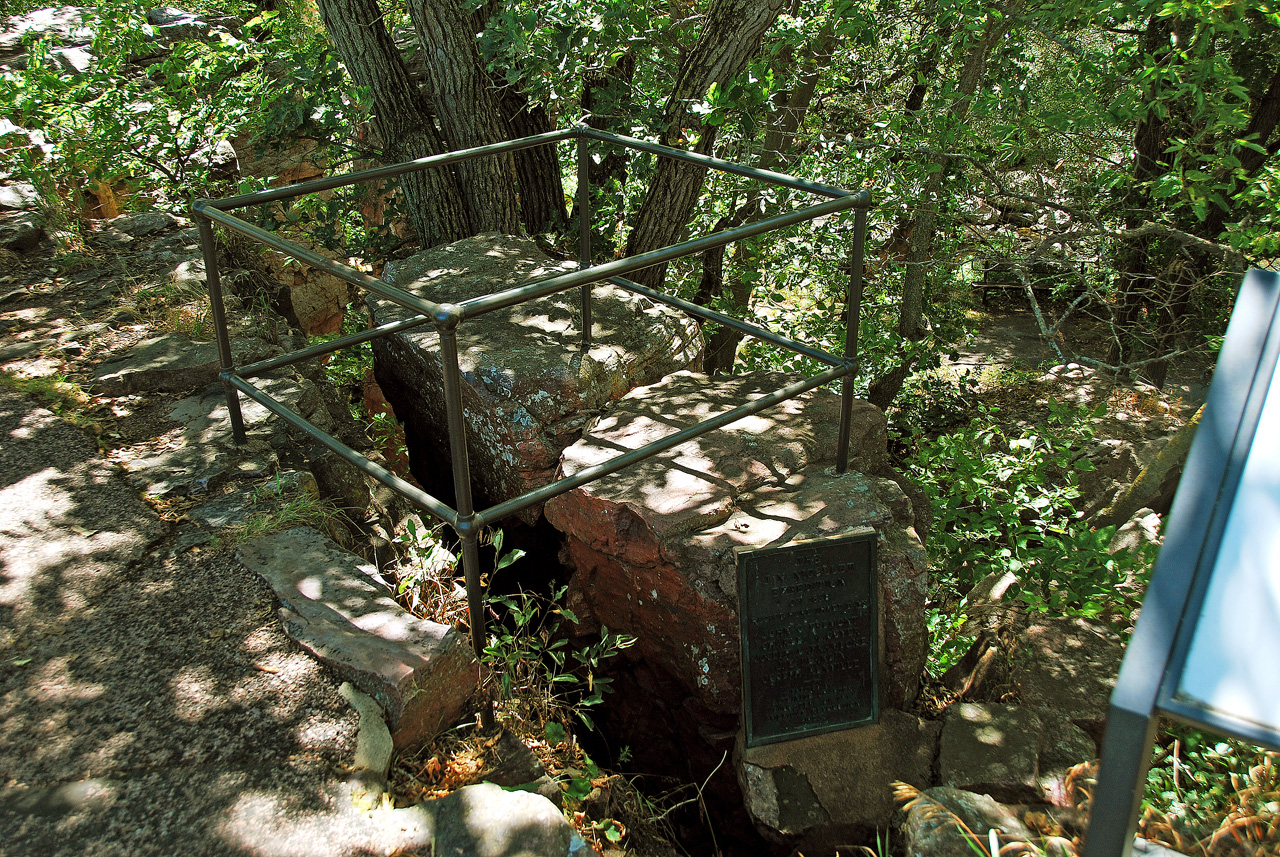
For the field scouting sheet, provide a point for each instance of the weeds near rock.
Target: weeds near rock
(304, 509)
(1222, 797)
(68, 399)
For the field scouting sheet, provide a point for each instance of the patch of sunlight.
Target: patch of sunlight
(55, 683)
(990, 736)
(194, 693)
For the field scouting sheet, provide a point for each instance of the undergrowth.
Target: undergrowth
(1005, 498)
(302, 508)
(545, 673)
(66, 398)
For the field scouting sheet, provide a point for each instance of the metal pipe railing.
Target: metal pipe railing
(446, 317)
(762, 333)
(635, 456)
(473, 307)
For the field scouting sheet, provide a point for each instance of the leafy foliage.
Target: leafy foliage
(1004, 500)
(530, 651)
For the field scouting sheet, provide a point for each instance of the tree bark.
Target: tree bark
(606, 96)
(537, 170)
(468, 112)
(729, 38)
(924, 224)
(1262, 124)
(790, 108)
(401, 120)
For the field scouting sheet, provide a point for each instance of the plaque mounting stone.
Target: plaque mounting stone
(809, 644)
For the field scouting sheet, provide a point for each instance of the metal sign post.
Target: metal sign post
(1204, 648)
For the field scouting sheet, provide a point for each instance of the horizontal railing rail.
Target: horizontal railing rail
(466, 521)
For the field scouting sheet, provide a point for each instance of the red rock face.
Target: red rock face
(654, 546)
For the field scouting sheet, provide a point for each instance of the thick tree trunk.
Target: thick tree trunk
(401, 117)
(468, 112)
(729, 39)
(537, 170)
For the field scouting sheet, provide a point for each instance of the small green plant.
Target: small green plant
(425, 574)
(302, 509)
(346, 369)
(1004, 500)
(66, 398)
(536, 667)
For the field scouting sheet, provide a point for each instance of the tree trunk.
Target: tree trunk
(924, 224)
(790, 108)
(606, 96)
(729, 39)
(401, 117)
(467, 108)
(537, 170)
(1262, 124)
(1136, 278)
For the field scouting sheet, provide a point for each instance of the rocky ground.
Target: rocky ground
(150, 700)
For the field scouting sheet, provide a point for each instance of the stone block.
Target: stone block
(528, 387)
(1063, 745)
(171, 363)
(992, 749)
(654, 546)
(1070, 665)
(824, 786)
(420, 672)
(487, 821)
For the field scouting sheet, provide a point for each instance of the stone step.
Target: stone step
(422, 673)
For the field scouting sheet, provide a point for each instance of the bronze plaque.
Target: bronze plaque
(809, 644)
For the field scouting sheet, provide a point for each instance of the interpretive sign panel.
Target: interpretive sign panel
(809, 643)
(1203, 650)
(1225, 671)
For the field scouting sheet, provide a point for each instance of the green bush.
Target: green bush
(1004, 500)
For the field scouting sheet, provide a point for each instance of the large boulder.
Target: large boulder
(654, 546)
(1069, 665)
(528, 387)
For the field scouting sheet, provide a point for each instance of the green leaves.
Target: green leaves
(1005, 501)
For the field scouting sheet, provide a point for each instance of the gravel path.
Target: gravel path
(149, 704)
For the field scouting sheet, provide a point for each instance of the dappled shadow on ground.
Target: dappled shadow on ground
(147, 702)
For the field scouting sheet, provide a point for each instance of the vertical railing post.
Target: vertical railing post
(853, 318)
(214, 281)
(466, 527)
(584, 233)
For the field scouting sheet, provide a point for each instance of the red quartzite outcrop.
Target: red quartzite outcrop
(653, 546)
(528, 387)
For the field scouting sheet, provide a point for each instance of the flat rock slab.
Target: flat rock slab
(421, 673)
(528, 387)
(1069, 665)
(991, 748)
(654, 545)
(822, 786)
(170, 363)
